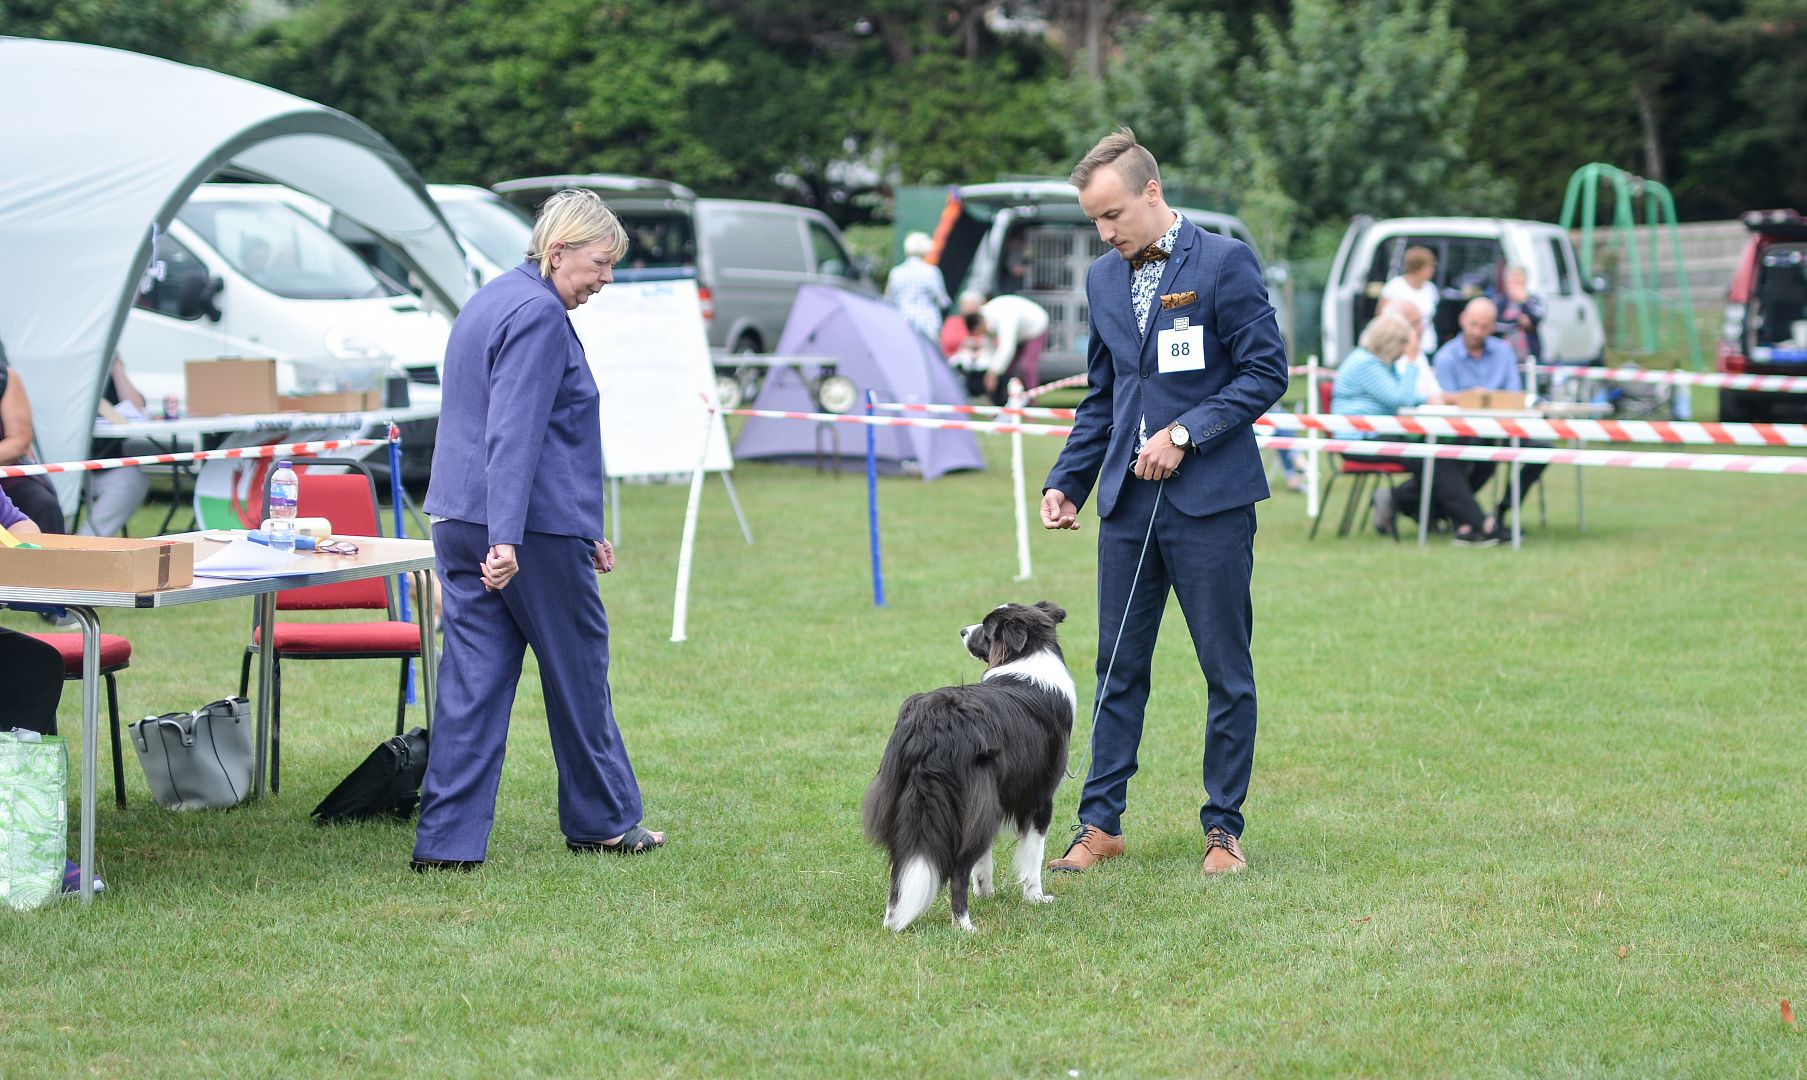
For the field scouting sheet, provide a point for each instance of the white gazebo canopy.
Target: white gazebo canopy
(102, 147)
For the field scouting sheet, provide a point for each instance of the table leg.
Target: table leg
(266, 667)
(1580, 491)
(1517, 507)
(1424, 493)
(90, 624)
(429, 653)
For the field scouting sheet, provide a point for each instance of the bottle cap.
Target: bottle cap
(282, 465)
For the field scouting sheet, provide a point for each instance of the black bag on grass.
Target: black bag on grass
(387, 784)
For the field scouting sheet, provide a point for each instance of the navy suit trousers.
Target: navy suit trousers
(553, 606)
(1206, 562)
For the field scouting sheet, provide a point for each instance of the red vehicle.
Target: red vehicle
(1765, 330)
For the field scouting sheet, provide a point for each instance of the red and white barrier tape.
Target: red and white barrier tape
(1528, 455)
(1734, 463)
(1067, 383)
(983, 410)
(1786, 384)
(1071, 381)
(98, 464)
(1672, 432)
(908, 421)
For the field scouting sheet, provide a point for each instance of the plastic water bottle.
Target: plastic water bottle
(285, 492)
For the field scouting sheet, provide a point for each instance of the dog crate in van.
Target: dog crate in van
(1030, 238)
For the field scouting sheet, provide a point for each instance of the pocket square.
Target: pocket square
(1178, 299)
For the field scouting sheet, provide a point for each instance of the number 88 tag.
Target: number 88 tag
(1180, 349)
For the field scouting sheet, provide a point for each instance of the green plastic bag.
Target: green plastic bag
(34, 818)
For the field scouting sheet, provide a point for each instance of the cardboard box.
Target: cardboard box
(99, 563)
(1491, 399)
(233, 387)
(347, 401)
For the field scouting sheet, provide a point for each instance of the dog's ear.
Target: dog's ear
(1009, 642)
(1053, 610)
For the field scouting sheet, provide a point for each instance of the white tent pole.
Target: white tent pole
(739, 514)
(615, 506)
(1023, 569)
(680, 605)
(1311, 456)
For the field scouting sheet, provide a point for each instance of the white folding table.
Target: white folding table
(376, 557)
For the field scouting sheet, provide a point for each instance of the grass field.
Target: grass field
(1532, 813)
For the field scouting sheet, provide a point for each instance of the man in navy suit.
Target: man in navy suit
(1184, 354)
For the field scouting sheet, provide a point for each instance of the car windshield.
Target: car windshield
(496, 229)
(1782, 296)
(282, 250)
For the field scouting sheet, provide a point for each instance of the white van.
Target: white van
(1030, 238)
(242, 272)
(495, 234)
(1472, 254)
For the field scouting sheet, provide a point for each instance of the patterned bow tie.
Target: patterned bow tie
(1151, 253)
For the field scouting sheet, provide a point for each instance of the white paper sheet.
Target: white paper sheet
(243, 559)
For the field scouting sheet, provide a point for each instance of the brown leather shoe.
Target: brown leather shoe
(1223, 853)
(1091, 845)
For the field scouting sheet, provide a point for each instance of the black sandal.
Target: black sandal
(636, 841)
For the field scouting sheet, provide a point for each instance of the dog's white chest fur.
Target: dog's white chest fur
(1045, 669)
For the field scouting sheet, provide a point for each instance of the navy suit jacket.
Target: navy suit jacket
(519, 447)
(1243, 376)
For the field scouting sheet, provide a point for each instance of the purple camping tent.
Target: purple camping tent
(879, 351)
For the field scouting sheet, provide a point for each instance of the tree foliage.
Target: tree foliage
(1709, 96)
(192, 31)
(1295, 113)
(1345, 108)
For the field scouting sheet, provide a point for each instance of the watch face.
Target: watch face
(1180, 436)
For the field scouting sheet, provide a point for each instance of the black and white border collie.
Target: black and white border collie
(964, 761)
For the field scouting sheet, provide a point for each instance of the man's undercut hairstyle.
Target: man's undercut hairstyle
(1133, 162)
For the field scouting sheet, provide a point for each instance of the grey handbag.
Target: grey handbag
(199, 760)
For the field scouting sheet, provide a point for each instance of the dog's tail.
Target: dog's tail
(916, 887)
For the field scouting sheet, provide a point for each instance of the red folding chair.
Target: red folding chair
(348, 501)
(1362, 474)
(115, 656)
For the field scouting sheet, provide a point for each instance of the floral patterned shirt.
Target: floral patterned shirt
(1144, 282)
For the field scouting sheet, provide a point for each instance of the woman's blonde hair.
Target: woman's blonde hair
(575, 219)
(1386, 336)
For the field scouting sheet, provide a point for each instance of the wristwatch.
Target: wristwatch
(1178, 435)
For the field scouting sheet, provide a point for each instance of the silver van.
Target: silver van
(748, 258)
(1030, 238)
(1472, 254)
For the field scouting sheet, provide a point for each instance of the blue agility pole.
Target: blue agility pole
(878, 570)
(395, 508)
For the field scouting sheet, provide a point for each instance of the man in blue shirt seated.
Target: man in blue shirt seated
(1476, 360)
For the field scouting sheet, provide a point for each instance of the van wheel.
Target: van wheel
(727, 391)
(750, 380)
(747, 343)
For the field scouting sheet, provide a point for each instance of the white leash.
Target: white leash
(1103, 687)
